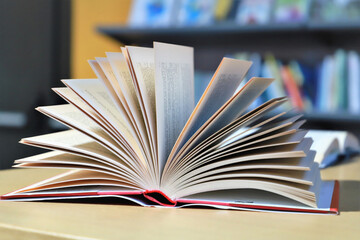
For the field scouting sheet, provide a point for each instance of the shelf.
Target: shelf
(225, 32)
(333, 117)
(309, 41)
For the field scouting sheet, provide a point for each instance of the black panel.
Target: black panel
(34, 53)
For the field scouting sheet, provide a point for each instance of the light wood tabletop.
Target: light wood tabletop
(53, 220)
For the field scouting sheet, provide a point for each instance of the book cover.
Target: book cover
(254, 11)
(336, 11)
(152, 13)
(291, 11)
(196, 12)
(353, 69)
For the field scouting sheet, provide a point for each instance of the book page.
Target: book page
(105, 71)
(102, 69)
(221, 88)
(328, 141)
(240, 125)
(300, 177)
(94, 93)
(174, 77)
(71, 97)
(142, 63)
(78, 175)
(126, 84)
(58, 157)
(84, 184)
(285, 152)
(244, 196)
(293, 164)
(85, 164)
(228, 112)
(270, 164)
(75, 178)
(244, 120)
(72, 140)
(282, 188)
(272, 140)
(75, 118)
(96, 168)
(241, 153)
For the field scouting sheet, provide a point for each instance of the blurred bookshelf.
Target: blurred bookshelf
(193, 34)
(230, 37)
(309, 39)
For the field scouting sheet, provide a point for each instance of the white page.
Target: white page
(119, 178)
(76, 175)
(100, 66)
(328, 141)
(112, 84)
(287, 190)
(219, 150)
(231, 127)
(300, 164)
(122, 73)
(239, 130)
(298, 151)
(94, 93)
(142, 62)
(71, 97)
(221, 88)
(227, 113)
(236, 153)
(74, 118)
(174, 77)
(300, 177)
(58, 157)
(70, 176)
(73, 140)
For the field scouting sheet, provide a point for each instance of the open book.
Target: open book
(136, 134)
(333, 146)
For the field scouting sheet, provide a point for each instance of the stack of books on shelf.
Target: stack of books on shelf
(331, 86)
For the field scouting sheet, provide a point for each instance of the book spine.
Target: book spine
(159, 197)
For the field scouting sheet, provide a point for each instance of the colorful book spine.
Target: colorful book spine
(329, 87)
(353, 70)
(292, 88)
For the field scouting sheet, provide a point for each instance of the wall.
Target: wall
(86, 43)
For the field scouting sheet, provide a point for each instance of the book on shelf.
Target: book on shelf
(136, 134)
(331, 86)
(335, 11)
(353, 91)
(224, 9)
(196, 12)
(150, 13)
(254, 11)
(291, 11)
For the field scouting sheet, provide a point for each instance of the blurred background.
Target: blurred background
(311, 47)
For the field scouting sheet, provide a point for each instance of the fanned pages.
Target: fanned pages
(136, 134)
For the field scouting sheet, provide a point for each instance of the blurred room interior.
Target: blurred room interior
(309, 46)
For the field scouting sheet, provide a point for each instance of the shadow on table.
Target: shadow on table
(349, 196)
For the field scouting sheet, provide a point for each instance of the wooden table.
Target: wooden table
(50, 220)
